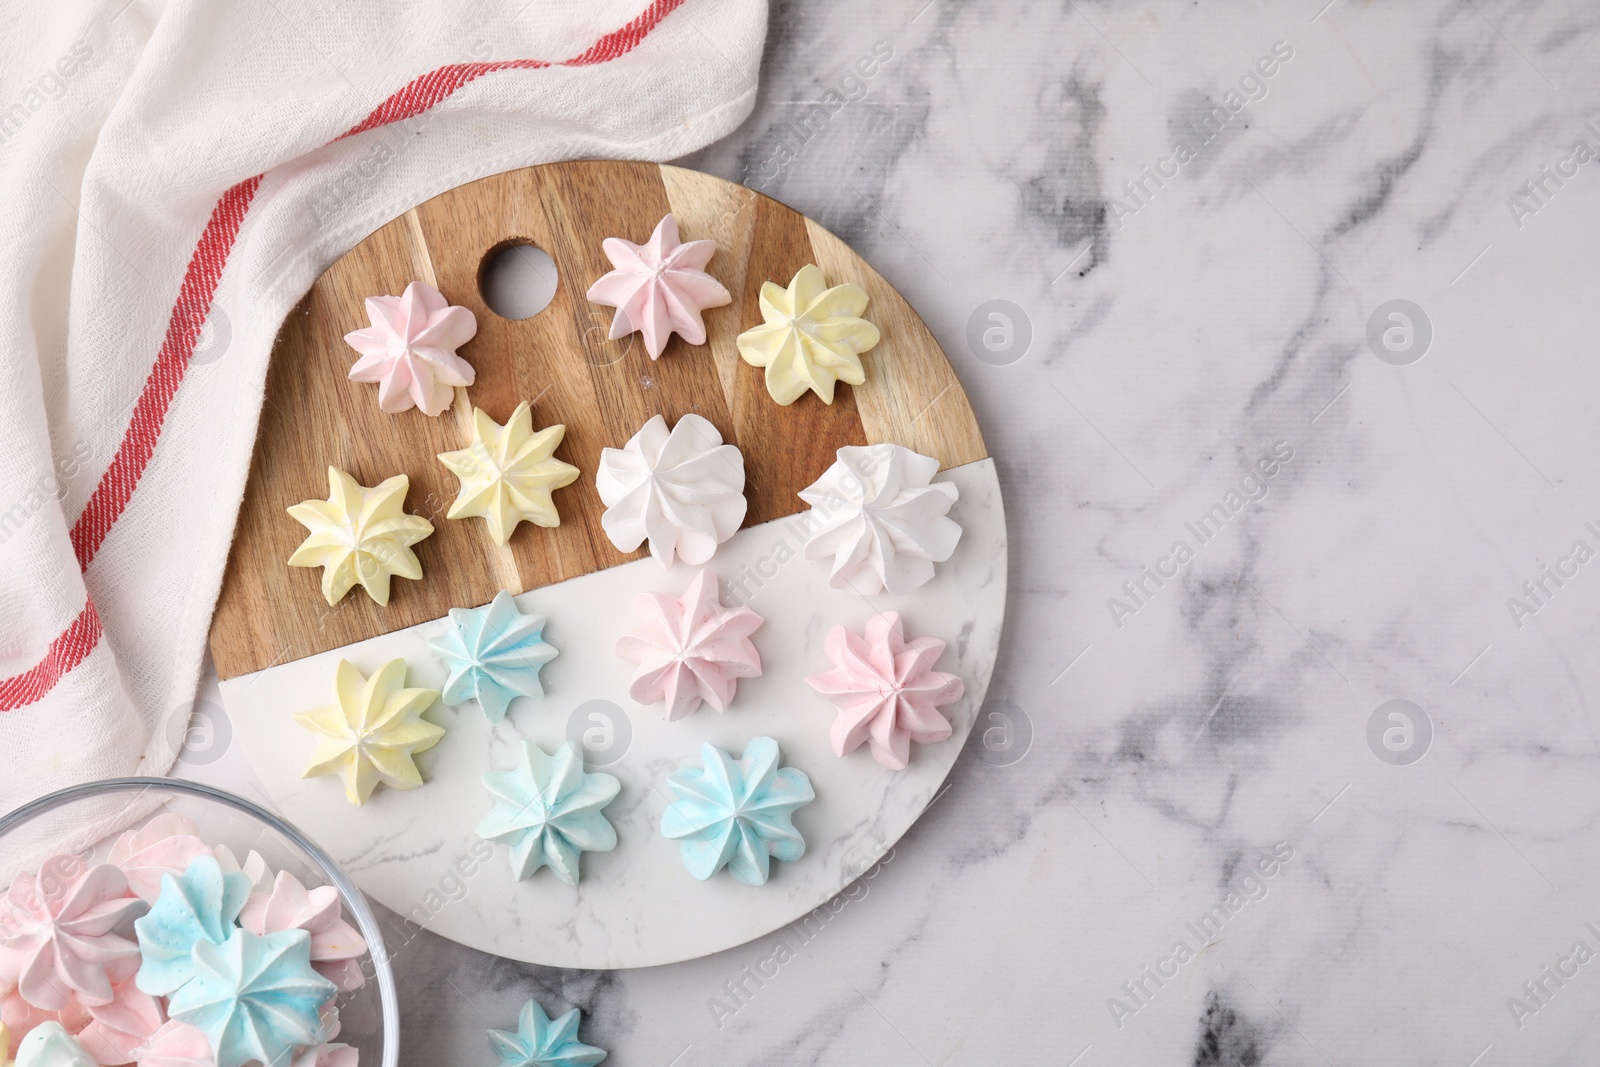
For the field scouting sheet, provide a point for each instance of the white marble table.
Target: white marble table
(1166, 733)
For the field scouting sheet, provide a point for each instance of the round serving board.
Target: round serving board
(276, 642)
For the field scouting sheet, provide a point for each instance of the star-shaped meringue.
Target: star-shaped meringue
(690, 648)
(508, 473)
(683, 490)
(254, 997)
(66, 934)
(410, 349)
(372, 731)
(886, 690)
(201, 904)
(360, 536)
(549, 811)
(494, 654)
(877, 513)
(813, 336)
(538, 1042)
(659, 288)
(737, 813)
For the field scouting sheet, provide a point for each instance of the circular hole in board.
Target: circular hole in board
(518, 280)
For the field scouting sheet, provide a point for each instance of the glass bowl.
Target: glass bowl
(86, 819)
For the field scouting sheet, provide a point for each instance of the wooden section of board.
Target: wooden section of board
(562, 361)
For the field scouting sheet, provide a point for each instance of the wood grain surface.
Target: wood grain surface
(559, 359)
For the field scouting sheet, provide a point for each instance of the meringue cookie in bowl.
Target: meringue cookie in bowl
(659, 288)
(49, 1045)
(682, 490)
(690, 649)
(886, 690)
(410, 349)
(813, 336)
(881, 519)
(175, 1044)
(66, 933)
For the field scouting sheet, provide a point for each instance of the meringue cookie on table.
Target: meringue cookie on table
(886, 690)
(372, 731)
(682, 490)
(410, 349)
(508, 472)
(360, 536)
(813, 336)
(877, 513)
(659, 288)
(690, 649)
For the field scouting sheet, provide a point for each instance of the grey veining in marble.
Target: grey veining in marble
(1237, 700)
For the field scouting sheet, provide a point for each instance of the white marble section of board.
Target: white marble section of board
(637, 906)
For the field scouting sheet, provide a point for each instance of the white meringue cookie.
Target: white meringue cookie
(879, 518)
(683, 490)
(49, 1045)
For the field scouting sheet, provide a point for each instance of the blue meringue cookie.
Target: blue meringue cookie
(538, 1042)
(737, 813)
(494, 654)
(201, 904)
(549, 811)
(254, 996)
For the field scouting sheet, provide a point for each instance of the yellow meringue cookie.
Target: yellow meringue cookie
(813, 336)
(372, 731)
(359, 536)
(508, 473)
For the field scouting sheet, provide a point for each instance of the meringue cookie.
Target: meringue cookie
(66, 933)
(255, 998)
(175, 1044)
(659, 288)
(508, 473)
(683, 490)
(813, 336)
(336, 946)
(199, 905)
(372, 731)
(549, 811)
(49, 1045)
(410, 349)
(326, 1056)
(690, 648)
(538, 1042)
(877, 514)
(116, 1029)
(167, 844)
(254, 867)
(494, 654)
(359, 536)
(737, 813)
(886, 690)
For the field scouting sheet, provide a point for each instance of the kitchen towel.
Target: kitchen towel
(173, 176)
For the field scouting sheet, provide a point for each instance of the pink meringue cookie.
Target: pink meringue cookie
(690, 648)
(176, 1044)
(20, 1017)
(115, 1030)
(886, 690)
(166, 844)
(325, 1056)
(410, 349)
(660, 287)
(66, 933)
(335, 944)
